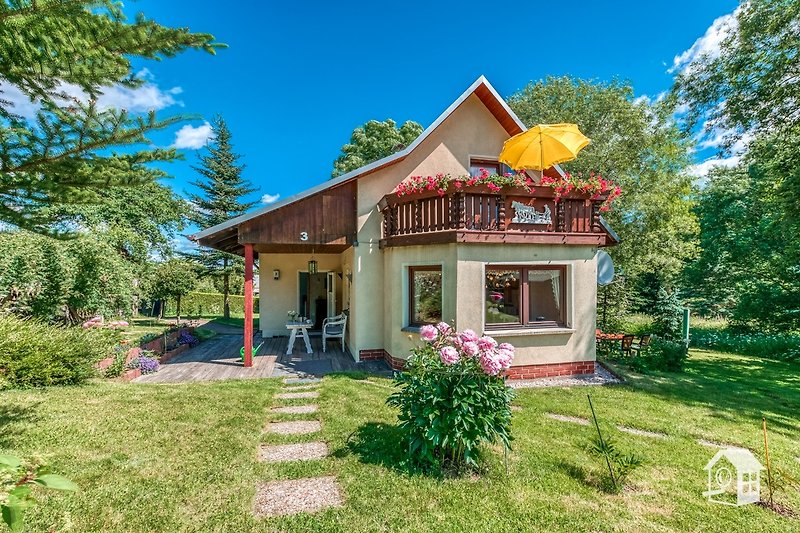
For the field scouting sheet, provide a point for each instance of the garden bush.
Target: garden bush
(208, 304)
(452, 398)
(785, 347)
(35, 354)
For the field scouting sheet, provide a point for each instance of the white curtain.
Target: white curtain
(554, 277)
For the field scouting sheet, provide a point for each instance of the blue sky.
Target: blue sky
(299, 76)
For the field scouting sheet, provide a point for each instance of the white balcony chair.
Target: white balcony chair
(333, 328)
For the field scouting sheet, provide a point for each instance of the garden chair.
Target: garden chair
(644, 342)
(627, 344)
(333, 327)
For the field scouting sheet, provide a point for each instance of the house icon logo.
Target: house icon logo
(734, 464)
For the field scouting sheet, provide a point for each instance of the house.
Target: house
(513, 263)
(720, 478)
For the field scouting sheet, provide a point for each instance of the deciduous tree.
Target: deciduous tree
(372, 141)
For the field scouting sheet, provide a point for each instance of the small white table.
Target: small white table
(303, 327)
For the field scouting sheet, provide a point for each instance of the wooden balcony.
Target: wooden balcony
(478, 215)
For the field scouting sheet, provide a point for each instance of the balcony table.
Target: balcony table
(303, 328)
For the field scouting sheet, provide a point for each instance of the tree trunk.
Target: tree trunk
(178, 311)
(226, 289)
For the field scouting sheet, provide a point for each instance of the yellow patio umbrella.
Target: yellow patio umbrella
(543, 146)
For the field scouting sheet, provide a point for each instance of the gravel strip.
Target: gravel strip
(297, 427)
(297, 395)
(301, 381)
(297, 496)
(643, 433)
(293, 452)
(295, 409)
(565, 418)
(601, 376)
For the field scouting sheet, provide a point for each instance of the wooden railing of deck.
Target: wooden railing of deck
(460, 213)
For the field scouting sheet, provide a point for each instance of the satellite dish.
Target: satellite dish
(605, 268)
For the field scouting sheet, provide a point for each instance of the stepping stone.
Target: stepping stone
(299, 381)
(301, 387)
(642, 433)
(296, 395)
(516, 408)
(297, 427)
(295, 409)
(565, 418)
(308, 495)
(293, 452)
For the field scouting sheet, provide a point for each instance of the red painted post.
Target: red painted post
(248, 305)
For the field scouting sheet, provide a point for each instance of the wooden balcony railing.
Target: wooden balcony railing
(477, 214)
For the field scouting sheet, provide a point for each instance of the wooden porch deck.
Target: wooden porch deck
(218, 358)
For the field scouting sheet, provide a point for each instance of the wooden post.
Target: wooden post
(248, 305)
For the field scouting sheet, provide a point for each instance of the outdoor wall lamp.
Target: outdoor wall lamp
(276, 274)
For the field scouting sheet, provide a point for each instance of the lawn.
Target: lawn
(182, 457)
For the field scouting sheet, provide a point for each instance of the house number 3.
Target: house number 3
(303, 236)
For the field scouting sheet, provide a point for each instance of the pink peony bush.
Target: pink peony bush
(453, 398)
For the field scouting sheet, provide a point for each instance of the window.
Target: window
(424, 295)
(491, 166)
(525, 296)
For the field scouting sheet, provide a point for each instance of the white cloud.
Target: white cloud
(701, 170)
(193, 138)
(146, 97)
(270, 198)
(20, 104)
(709, 44)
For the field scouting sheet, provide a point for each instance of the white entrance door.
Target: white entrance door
(331, 294)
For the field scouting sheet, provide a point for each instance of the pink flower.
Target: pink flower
(444, 328)
(471, 348)
(487, 343)
(490, 364)
(449, 355)
(506, 346)
(504, 358)
(469, 336)
(428, 333)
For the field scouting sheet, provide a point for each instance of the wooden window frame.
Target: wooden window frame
(410, 309)
(486, 161)
(524, 297)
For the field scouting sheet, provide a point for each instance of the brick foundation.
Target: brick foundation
(575, 368)
(382, 355)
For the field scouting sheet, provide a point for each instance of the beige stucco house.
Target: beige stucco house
(514, 264)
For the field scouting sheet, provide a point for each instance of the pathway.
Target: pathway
(304, 495)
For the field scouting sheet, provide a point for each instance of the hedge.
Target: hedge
(209, 304)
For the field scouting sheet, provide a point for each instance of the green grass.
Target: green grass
(182, 457)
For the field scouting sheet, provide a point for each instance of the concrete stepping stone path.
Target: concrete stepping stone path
(565, 418)
(297, 395)
(293, 388)
(278, 498)
(301, 381)
(295, 409)
(307, 451)
(298, 427)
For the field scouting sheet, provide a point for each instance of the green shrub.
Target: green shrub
(785, 347)
(452, 399)
(35, 354)
(663, 354)
(208, 304)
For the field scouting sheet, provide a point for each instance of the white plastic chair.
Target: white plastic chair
(333, 328)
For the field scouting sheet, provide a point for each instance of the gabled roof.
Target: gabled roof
(740, 458)
(481, 88)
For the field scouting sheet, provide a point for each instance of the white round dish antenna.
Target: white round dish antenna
(605, 268)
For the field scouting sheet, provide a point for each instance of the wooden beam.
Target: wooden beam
(248, 305)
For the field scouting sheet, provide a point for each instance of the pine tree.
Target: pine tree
(63, 155)
(222, 189)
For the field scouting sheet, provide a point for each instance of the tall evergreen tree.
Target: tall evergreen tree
(49, 51)
(223, 189)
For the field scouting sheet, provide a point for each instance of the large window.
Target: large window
(424, 295)
(525, 296)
